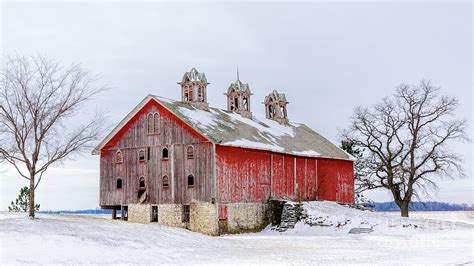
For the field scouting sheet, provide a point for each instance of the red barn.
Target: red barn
(185, 164)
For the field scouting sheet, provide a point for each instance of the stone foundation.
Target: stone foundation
(171, 215)
(242, 217)
(204, 218)
(139, 213)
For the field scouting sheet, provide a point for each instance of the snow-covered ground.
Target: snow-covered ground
(452, 216)
(97, 239)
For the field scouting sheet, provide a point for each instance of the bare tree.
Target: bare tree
(39, 101)
(406, 142)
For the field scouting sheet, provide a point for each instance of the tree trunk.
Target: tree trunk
(31, 198)
(404, 209)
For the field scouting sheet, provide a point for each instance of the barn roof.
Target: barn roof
(231, 129)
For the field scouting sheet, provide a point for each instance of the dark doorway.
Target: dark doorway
(154, 214)
(124, 213)
(116, 213)
(186, 215)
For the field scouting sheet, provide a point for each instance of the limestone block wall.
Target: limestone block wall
(203, 218)
(171, 215)
(247, 216)
(139, 213)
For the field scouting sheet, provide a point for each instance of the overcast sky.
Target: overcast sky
(327, 58)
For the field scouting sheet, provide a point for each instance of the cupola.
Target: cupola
(194, 89)
(238, 98)
(275, 107)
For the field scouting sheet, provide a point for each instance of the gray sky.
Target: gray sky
(327, 58)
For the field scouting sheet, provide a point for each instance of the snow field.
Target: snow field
(94, 239)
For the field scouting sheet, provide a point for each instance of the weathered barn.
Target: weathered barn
(185, 164)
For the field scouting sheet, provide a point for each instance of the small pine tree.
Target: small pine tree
(21, 203)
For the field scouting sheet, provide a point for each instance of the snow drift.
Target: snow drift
(330, 218)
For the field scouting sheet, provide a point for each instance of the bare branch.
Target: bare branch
(406, 139)
(38, 99)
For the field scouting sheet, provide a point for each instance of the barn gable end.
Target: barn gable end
(154, 166)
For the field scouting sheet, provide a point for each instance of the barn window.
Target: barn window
(154, 214)
(119, 183)
(141, 155)
(118, 157)
(156, 122)
(190, 152)
(166, 181)
(190, 180)
(164, 154)
(141, 182)
(186, 211)
(148, 153)
(150, 125)
(200, 94)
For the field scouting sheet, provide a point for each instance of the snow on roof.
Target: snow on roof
(240, 86)
(194, 75)
(231, 129)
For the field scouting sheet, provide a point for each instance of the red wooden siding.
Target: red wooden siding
(311, 187)
(245, 175)
(336, 180)
(300, 177)
(173, 134)
(223, 212)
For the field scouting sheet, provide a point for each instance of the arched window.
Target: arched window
(200, 97)
(164, 154)
(166, 181)
(141, 155)
(141, 182)
(156, 122)
(119, 183)
(190, 152)
(270, 111)
(190, 95)
(150, 124)
(190, 180)
(118, 157)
